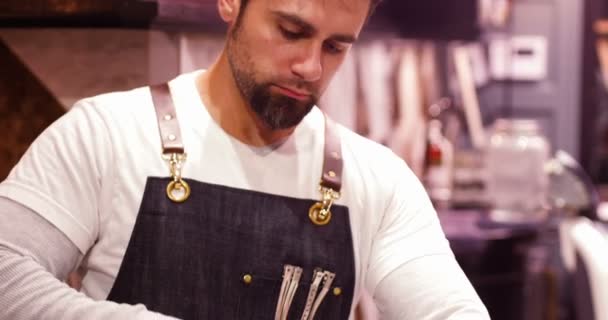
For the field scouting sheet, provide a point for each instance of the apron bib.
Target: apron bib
(205, 251)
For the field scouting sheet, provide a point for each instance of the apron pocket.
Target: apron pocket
(258, 297)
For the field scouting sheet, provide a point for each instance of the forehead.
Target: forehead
(331, 14)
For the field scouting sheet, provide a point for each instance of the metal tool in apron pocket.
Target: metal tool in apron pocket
(289, 286)
(291, 277)
(313, 301)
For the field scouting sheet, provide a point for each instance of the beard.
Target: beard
(276, 111)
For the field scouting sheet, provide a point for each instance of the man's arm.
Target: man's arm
(432, 287)
(34, 255)
(413, 273)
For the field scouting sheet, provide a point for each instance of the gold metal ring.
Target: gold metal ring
(316, 217)
(179, 185)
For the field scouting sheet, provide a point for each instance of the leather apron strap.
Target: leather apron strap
(166, 116)
(177, 190)
(331, 177)
(332, 158)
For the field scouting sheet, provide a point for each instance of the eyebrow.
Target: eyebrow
(310, 29)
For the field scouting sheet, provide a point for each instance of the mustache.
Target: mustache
(298, 85)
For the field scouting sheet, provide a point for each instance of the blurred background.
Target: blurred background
(499, 106)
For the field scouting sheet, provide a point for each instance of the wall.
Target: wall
(78, 63)
(554, 101)
(26, 109)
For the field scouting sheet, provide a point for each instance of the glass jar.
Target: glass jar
(517, 183)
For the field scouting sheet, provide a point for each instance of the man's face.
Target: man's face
(283, 53)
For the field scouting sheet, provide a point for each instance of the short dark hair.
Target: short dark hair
(372, 7)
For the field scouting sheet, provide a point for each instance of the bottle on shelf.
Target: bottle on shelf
(439, 165)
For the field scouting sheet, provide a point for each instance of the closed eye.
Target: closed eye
(333, 48)
(291, 35)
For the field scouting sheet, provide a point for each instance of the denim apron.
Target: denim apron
(205, 251)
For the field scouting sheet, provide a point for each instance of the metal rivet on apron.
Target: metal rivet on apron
(172, 137)
(332, 174)
(178, 191)
(247, 279)
(337, 291)
(318, 215)
(168, 117)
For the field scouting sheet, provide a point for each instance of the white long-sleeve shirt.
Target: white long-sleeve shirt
(86, 176)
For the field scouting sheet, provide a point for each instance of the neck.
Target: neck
(230, 110)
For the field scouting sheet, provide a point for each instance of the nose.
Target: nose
(308, 65)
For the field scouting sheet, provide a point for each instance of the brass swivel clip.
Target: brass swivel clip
(178, 189)
(320, 212)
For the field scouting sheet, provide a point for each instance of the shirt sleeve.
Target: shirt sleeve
(33, 256)
(60, 175)
(413, 273)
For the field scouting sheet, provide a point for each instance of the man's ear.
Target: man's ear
(229, 9)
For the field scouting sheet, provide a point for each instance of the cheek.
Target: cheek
(270, 54)
(331, 65)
